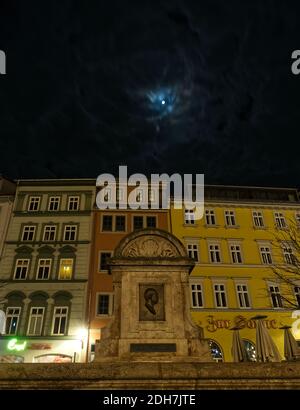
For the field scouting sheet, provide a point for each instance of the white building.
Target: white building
(45, 264)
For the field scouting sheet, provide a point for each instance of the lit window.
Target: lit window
(49, 233)
(105, 304)
(28, 233)
(21, 268)
(266, 256)
(279, 220)
(34, 203)
(258, 220)
(220, 295)
(230, 218)
(189, 217)
(43, 270)
(35, 324)
(12, 320)
(210, 217)
(275, 296)
(193, 251)
(236, 254)
(70, 233)
(65, 269)
(243, 296)
(73, 203)
(54, 202)
(197, 295)
(60, 316)
(104, 256)
(214, 253)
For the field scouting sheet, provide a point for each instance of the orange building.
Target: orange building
(110, 226)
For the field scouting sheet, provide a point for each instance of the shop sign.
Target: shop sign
(14, 345)
(240, 321)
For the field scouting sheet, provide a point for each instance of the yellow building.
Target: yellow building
(235, 248)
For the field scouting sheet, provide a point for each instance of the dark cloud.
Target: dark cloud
(75, 101)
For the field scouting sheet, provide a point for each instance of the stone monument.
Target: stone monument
(151, 320)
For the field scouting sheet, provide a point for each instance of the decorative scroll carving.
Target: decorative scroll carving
(150, 247)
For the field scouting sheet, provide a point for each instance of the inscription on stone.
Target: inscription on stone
(152, 347)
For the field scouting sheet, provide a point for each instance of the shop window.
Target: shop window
(53, 358)
(216, 351)
(250, 349)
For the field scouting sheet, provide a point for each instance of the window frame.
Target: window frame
(69, 202)
(280, 216)
(30, 198)
(44, 232)
(274, 285)
(99, 260)
(70, 225)
(231, 214)
(209, 213)
(201, 291)
(54, 317)
(30, 318)
(267, 253)
(110, 304)
(34, 227)
(209, 244)
(12, 316)
(59, 267)
(258, 217)
(39, 259)
(27, 268)
(215, 295)
(237, 284)
(49, 203)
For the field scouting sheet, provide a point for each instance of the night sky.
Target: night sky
(161, 86)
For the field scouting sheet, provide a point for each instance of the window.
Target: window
(70, 232)
(138, 222)
(28, 233)
(21, 268)
(220, 295)
(216, 351)
(236, 254)
(250, 350)
(210, 217)
(60, 316)
(44, 268)
(275, 296)
(65, 269)
(12, 320)
(34, 203)
(142, 221)
(35, 321)
(104, 256)
(49, 233)
(258, 220)
(105, 304)
(265, 253)
(243, 296)
(73, 203)
(107, 223)
(230, 218)
(297, 294)
(151, 221)
(289, 257)
(214, 253)
(193, 251)
(54, 202)
(189, 217)
(279, 220)
(197, 296)
(120, 223)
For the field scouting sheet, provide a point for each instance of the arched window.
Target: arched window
(250, 349)
(13, 311)
(216, 351)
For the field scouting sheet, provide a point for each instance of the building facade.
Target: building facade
(109, 227)
(235, 246)
(45, 264)
(7, 192)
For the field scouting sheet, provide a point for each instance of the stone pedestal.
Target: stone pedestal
(151, 320)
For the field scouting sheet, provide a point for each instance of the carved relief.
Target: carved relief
(150, 247)
(151, 298)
